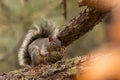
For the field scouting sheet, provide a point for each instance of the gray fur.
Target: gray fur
(42, 30)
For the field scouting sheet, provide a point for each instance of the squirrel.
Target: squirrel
(38, 43)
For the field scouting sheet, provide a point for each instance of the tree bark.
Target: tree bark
(80, 25)
(61, 70)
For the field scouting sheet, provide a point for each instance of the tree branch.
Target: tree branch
(62, 70)
(80, 25)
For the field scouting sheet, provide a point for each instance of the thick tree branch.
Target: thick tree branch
(80, 25)
(62, 70)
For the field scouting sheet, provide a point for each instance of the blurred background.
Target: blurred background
(16, 16)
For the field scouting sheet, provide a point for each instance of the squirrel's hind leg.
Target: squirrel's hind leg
(35, 61)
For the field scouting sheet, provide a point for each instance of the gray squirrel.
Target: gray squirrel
(38, 43)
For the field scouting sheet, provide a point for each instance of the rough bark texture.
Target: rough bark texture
(80, 25)
(63, 69)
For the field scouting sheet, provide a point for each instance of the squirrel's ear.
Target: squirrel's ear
(50, 38)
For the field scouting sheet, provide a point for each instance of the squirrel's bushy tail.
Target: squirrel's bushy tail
(41, 30)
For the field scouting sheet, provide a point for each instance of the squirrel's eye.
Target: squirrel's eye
(53, 43)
